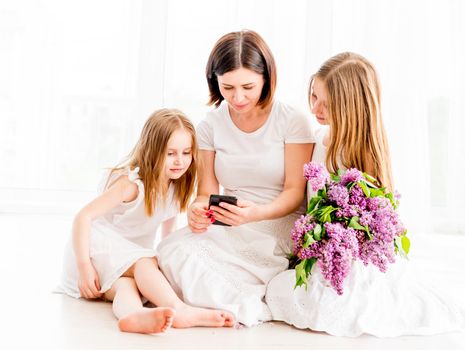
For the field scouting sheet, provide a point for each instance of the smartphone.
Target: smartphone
(216, 199)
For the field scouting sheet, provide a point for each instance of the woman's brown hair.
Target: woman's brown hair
(244, 49)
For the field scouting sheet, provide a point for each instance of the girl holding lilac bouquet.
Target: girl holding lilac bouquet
(353, 287)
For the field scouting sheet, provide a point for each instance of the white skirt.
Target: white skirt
(381, 304)
(227, 268)
(111, 255)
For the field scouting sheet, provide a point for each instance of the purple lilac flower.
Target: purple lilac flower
(341, 244)
(301, 226)
(347, 212)
(336, 255)
(385, 226)
(366, 218)
(357, 197)
(351, 175)
(316, 174)
(338, 194)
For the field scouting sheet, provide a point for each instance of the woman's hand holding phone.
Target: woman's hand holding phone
(235, 215)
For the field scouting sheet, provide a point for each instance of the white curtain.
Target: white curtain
(79, 78)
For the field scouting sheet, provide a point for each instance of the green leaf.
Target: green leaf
(369, 234)
(314, 202)
(335, 178)
(369, 177)
(308, 240)
(350, 185)
(317, 232)
(300, 277)
(402, 245)
(390, 196)
(405, 244)
(302, 271)
(364, 188)
(323, 192)
(309, 266)
(325, 213)
(377, 192)
(354, 223)
(370, 180)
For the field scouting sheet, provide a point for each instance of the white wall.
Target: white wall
(79, 78)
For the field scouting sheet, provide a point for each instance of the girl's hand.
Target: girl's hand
(236, 215)
(88, 283)
(199, 217)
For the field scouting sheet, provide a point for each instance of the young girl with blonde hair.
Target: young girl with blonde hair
(112, 255)
(344, 96)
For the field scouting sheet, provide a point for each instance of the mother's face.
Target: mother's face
(241, 88)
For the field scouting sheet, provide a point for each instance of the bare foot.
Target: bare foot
(189, 316)
(147, 320)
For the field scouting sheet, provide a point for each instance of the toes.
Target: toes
(228, 319)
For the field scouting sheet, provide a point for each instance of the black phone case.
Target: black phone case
(215, 200)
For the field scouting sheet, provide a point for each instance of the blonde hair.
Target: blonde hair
(357, 135)
(149, 155)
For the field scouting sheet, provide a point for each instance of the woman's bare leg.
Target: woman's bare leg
(132, 315)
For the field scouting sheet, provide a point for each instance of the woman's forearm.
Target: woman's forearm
(286, 203)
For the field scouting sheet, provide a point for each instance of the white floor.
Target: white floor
(31, 316)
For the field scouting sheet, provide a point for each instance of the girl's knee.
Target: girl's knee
(120, 283)
(149, 261)
(127, 282)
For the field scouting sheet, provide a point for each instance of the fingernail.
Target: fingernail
(212, 219)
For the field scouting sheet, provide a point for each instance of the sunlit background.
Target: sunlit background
(79, 78)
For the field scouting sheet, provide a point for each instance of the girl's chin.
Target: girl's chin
(321, 121)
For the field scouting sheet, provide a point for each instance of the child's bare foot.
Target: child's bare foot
(148, 320)
(189, 316)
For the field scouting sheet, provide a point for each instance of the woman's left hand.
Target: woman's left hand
(236, 215)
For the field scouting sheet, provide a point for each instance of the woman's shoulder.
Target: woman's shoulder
(215, 119)
(216, 113)
(288, 113)
(293, 122)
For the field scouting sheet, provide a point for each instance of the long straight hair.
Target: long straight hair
(357, 135)
(149, 155)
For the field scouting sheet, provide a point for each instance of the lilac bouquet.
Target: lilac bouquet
(349, 218)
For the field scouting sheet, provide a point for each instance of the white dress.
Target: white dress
(381, 304)
(228, 268)
(119, 238)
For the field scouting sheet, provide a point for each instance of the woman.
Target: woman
(254, 147)
(345, 95)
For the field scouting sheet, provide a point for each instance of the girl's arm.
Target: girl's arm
(121, 191)
(295, 156)
(208, 184)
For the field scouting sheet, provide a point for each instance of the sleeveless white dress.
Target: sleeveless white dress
(229, 267)
(381, 304)
(119, 238)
